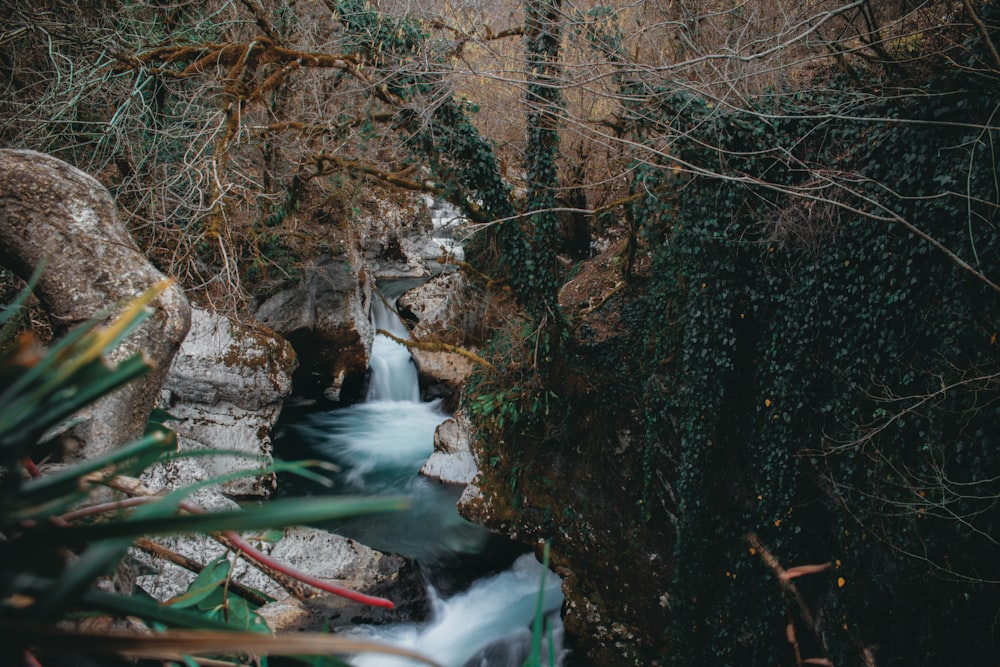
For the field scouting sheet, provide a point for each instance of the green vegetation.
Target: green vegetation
(814, 352)
(834, 380)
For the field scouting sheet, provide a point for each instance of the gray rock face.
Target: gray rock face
(452, 461)
(53, 213)
(225, 389)
(436, 306)
(322, 555)
(391, 237)
(325, 318)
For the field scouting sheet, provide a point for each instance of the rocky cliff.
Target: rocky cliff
(577, 478)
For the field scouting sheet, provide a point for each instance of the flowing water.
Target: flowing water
(483, 597)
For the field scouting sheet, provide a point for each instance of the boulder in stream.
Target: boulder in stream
(452, 461)
(437, 313)
(323, 555)
(347, 563)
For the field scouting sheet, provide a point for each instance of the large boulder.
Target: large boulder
(350, 564)
(326, 319)
(320, 554)
(435, 311)
(393, 231)
(55, 215)
(225, 389)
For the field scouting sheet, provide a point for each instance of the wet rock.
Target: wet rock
(452, 461)
(346, 563)
(325, 318)
(320, 554)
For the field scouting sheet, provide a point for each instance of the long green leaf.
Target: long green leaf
(207, 581)
(535, 657)
(99, 558)
(67, 481)
(175, 497)
(272, 514)
(49, 365)
(149, 611)
(95, 600)
(53, 409)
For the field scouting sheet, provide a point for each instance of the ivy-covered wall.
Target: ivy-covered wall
(812, 366)
(833, 375)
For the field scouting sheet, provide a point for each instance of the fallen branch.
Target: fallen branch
(785, 578)
(469, 270)
(397, 179)
(603, 300)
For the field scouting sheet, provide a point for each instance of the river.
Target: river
(483, 588)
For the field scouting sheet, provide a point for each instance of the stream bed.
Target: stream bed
(483, 587)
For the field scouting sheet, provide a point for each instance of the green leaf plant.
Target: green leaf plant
(65, 527)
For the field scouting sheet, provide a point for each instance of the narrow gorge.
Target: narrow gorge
(701, 300)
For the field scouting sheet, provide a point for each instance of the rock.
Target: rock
(161, 578)
(182, 472)
(436, 309)
(325, 318)
(452, 461)
(472, 506)
(350, 564)
(225, 389)
(55, 214)
(392, 236)
(323, 555)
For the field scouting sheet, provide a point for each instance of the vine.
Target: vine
(832, 376)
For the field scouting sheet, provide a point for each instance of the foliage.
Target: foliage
(543, 39)
(63, 535)
(834, 373)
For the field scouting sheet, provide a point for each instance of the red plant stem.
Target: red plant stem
(108, 507)
(30, 466)
(254, 554)
(30, 660)
(250, 551)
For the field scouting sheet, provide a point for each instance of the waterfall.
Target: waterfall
(485, 626)
(380, 445)
(393, 373)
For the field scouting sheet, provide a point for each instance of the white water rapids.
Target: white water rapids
(380, 445)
